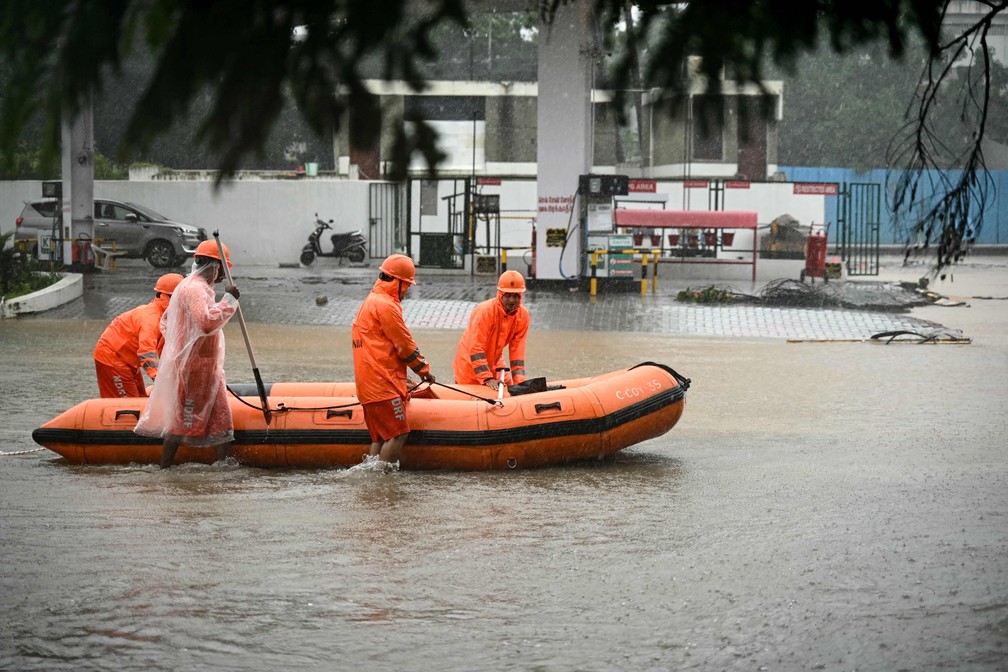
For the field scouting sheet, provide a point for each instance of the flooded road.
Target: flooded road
(828, 506)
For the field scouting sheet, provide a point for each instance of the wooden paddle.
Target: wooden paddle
(248, 343)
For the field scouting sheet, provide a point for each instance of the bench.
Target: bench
(105, 257)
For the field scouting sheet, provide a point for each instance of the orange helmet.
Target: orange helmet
(208, 248)
(400, 267)
(167, 283)
(511, 282)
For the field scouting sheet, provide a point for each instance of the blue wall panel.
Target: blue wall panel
(994, 222)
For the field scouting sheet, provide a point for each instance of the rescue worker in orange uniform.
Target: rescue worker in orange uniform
(131, 345)
(188, 404)
(495, 324)
(382, 349)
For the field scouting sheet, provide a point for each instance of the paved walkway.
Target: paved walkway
(330, 294)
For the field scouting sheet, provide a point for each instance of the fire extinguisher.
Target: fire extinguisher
(815, 258)
(532, 268)
(81, 253)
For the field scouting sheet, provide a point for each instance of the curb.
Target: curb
(70, 287)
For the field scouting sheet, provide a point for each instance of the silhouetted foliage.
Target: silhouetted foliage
(236, 65)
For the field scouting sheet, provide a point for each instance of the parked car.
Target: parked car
(137, 230)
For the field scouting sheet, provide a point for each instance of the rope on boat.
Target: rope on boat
(492, 402)
(283, 408)
(22, 452)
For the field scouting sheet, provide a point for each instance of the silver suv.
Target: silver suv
(136, 230)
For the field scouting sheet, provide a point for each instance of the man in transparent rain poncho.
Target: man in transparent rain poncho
(188, 403)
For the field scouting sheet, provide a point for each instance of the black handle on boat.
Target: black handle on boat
(492, 402)
(248, 343)
(547, 407)
(680, 379)
(128, 411)
(332, 414)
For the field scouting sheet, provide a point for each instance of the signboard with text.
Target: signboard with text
(560, 204)
(556, 237)
(817, 188)
(643, 186)
(600, 217)
(44, 245)
(621, 266)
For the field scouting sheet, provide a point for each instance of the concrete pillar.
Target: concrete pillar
(564, 137)
(78, 178)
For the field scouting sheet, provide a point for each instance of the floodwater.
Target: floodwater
(821, 506)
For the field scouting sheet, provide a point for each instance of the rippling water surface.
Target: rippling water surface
(819, 506)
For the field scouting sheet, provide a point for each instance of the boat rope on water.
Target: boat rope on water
(22, 452)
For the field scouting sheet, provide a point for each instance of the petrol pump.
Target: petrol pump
(596, 200)
(50, 243)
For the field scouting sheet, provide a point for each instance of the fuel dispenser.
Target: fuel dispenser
(50, 243)
(596, 203)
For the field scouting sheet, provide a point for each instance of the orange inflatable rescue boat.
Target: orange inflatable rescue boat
(459, 427)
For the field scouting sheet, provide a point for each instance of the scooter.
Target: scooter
(351, 245)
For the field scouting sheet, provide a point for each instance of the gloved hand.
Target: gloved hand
(233, 291)
(427, 377)
(492, 383)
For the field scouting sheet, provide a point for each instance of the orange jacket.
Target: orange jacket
(491, 330)
(383, 347)
(134, 338)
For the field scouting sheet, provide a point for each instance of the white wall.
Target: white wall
(266, 222)
(263, 222)
(770, 200)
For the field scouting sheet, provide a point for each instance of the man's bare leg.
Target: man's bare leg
(222, 451)
(392, 448)
(168, 449)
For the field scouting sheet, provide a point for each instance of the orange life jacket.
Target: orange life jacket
(383, 346)
(134, 339)
(491, 330)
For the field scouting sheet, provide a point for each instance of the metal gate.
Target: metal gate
(386, 233)
(858, 215)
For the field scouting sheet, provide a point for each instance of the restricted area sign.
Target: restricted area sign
(817, 188)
